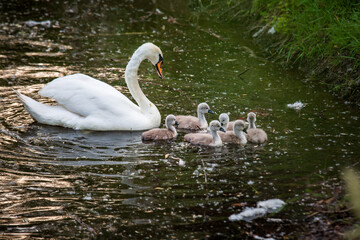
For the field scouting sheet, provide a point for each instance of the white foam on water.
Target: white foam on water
(248, 214)
(32, 23)
(271, 205)
(298, 105)
(263, 207)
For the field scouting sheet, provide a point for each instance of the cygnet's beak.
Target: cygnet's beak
(222, 124)
(211, 111)
(222, 129)
(244, 130)
(158, 69)
(176, 123)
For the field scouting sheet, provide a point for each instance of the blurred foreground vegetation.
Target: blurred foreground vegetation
(353, 187)
(323, 36)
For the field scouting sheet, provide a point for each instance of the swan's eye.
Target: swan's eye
(161, 59)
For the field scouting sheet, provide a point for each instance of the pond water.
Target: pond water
(62, 183)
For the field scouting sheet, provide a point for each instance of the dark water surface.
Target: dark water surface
(61, 183)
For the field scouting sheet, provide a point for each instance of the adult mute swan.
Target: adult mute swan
(162, 133)
(87, 103)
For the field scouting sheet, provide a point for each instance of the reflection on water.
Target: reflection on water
(34, 72)
(66, 143)
(61, 183)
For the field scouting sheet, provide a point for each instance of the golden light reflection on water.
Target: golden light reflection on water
(25, 197)
(44, 54)
(34, 220)
(14, 40)
(12, 111)
(35, 72)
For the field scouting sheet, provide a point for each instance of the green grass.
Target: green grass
(323, 33)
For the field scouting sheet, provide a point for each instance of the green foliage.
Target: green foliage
(322, 31)
(317, 28)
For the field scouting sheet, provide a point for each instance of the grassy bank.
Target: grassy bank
(322, 37)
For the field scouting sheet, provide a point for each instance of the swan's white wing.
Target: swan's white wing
(52, 115)
(87, 96)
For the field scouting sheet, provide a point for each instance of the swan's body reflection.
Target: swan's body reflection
(63, 143)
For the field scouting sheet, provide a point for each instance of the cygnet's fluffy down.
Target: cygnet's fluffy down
(162, 133)
(212, 139)
(237, 136)
(225, 122)
(230, 126)
(255, 135)
(195, 123)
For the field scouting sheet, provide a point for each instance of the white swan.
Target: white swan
(87, 103)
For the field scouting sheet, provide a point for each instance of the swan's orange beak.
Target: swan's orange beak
(158, 69)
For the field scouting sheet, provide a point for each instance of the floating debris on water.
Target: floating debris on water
(248, 214)
(181, 163)
(298, 105)
(275, 220)
(87, 197)
(263, 207)
(158, 12)
(250, 182)
(32, 23)
(271, 205)
(261, 238)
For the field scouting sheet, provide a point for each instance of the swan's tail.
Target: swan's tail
(47, 114)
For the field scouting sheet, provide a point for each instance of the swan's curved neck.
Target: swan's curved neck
(239, 134)
(216, 137)
(132, 82)
(251, 124)
(226, 125)
(202, 119)
(171, 128)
